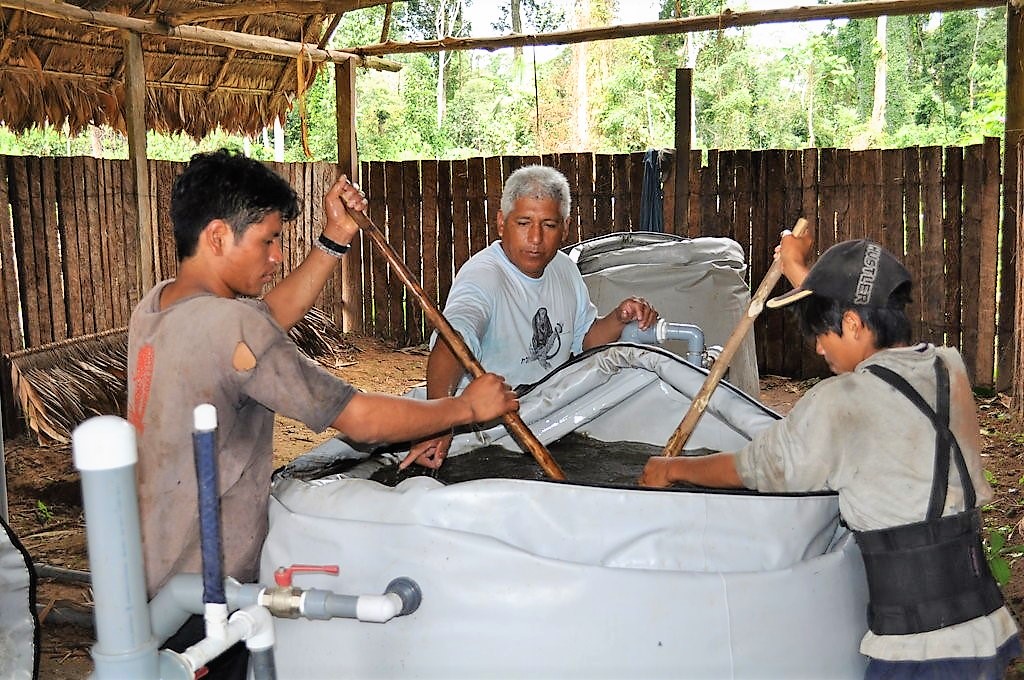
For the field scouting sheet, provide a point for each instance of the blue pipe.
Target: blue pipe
(204, 442)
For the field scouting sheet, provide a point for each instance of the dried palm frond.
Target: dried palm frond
(60, 385)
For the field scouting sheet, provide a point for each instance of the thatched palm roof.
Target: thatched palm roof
(59, 66)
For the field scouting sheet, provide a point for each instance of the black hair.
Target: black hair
(818, 315)
(226, 185)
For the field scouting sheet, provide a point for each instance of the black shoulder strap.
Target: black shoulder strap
(945, 442)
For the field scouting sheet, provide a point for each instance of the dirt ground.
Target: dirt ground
(45, 501)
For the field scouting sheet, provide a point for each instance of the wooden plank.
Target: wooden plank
(668, 196)
(32, 252)
(620, 193)
(931, 286)
(992, 182)
(871, 206)
(476, 194)
(585, 194)
(460, 214)
(856, 188)
(825, 236)
(1007, 282)
(120, 277)
(952, 225)
(568, 163)
(366, 261)
(53, 244)
(811, 364)
(727, 194)
(912, 244)
(758, 247)
(127, 210)
(844, 227)
(493, 183)
(741, 231)
(82, 236)
(396, 238)
(693, 222)
(445, 254)
(428, 181)
(13, 338)
(93, 229)
(603, 222)
(775, 221)
(378, 213)
(971, 259)
(412, 197)
(709, 217)
(792, 342)
(636, 183)
(892, 202)
(72, 266)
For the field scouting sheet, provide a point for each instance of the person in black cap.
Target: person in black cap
(896, 434)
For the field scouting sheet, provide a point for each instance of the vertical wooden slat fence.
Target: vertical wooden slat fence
(69, 248)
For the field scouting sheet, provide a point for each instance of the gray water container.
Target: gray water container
(698, 281)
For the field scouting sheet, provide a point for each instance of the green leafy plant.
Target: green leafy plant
(998, 554)
(43, 513)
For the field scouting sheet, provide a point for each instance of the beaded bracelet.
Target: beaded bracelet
(332, 248)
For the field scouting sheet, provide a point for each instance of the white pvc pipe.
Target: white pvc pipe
(252, 623)
(378, 608)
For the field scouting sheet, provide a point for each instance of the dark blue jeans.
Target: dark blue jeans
(987, 668)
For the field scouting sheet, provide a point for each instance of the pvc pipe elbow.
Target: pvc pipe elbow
(258, 627)
(378, 608)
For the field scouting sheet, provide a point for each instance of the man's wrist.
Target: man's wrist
(330, 246)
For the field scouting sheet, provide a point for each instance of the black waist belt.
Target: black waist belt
(927, 575)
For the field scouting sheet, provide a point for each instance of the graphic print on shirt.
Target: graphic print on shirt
(143, 382)
(546, 341)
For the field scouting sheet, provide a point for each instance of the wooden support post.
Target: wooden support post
(350, 305)
(681, 176)
(1013, 149)
(135, 120)
(1013, 246)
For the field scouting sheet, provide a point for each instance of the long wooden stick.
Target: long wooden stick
(513, 422)
(700, 402)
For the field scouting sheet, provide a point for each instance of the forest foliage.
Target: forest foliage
(943, 81)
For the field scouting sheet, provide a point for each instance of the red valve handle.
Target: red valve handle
(283, 575)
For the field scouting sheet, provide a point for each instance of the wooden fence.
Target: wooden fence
(69, 246)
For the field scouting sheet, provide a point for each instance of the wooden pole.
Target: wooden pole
(700, 402)
(681, 176)
(517, 428)
(1012, 245)
(712, 22)
(135, 122)
(350, 305)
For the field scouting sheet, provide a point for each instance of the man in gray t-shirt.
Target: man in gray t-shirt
(196, 339)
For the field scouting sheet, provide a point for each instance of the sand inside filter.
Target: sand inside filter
(582, 459)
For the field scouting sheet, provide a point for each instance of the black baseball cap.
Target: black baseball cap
(856, 273)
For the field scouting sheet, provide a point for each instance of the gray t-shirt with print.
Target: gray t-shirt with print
(182, 356)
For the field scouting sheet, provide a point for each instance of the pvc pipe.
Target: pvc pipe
(662, 331)
(103, 450)
(378, 608)
(183, 597)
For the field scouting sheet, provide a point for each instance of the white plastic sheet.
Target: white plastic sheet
(557, 580)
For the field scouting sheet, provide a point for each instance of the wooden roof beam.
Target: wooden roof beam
(251, 43)
(302, 7)
(116, 82)
(713, 22)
